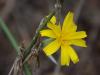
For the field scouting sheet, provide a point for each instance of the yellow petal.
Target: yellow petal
(47, 33)
(53, 20)
(72, 54)
(79, 42)
(68, 24)
(75, 35)
(52, 47)
(65, 60)
(55, 28)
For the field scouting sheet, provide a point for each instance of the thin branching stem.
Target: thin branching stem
(28, 49)
(37, 34)
(14, 43)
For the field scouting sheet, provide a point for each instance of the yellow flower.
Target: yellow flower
(64, 38)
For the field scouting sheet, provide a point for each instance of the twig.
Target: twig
(11, 70)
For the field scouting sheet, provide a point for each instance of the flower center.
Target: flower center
(60, 38)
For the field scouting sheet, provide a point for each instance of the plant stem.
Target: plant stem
(28, 49)
(27, 69)
(58, 7)
(13, 43)
(9, 35)
(41, 26)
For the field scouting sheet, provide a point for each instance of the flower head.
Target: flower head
(63, 38)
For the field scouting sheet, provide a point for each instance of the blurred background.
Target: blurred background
(23, 17)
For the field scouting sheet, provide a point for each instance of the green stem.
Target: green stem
(41, 26)
(9, 35)
(28, 49)
(14, 44)
(27, 69)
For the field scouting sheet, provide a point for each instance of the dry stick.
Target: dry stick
(16, 65)
(11, 70)
(36, 64)
(11, 39)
